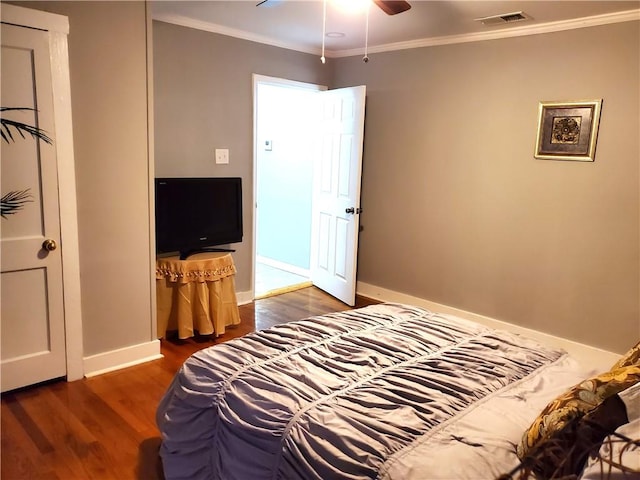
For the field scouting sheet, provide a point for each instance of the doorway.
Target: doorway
(307, 162)
(285, 112)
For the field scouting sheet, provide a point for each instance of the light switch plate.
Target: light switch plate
(222, 155)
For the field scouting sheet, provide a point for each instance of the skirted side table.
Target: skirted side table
(197, 294)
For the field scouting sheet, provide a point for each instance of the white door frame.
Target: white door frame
(282, 82)
(58, 28)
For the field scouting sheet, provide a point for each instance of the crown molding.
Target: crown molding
(559, 26)
(230, 32)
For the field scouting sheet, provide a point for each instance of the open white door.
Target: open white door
(336, 195)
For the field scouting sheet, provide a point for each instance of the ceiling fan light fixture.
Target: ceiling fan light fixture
(390, 7)
(365, 59)
(324, 29)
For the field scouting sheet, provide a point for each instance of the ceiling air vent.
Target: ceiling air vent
(503, 18)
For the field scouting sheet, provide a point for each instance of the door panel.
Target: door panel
(324, 234)
(32, 315)
(33, 335)
(335, 226)
(343, 230)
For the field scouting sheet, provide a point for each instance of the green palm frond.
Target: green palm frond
(21, 128)
(13, 202)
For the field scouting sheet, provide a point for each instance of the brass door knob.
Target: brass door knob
(49, 245)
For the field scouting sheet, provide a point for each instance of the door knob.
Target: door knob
(350, 210)
(49, 245)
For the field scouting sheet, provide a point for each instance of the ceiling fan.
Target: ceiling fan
(390, 7)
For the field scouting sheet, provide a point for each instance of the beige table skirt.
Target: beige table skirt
(197, 294)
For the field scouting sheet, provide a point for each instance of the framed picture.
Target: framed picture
(568, 130)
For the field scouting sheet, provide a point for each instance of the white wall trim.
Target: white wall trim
(69, 244)
(230, 32)
(285, 82)
(591, 357)
(38, 19)
(122, 358)
(244, 297)
(287, 267)
(558, 26)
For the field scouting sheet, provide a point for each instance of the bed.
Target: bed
(389, 392)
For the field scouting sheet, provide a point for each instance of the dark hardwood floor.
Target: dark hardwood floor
(104, 427)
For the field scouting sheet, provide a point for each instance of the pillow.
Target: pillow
(576, 403)
(616, 456)
(631, 399)
(564, 454)
(632, 357)
(563, 422)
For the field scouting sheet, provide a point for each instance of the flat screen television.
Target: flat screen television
(197, 214)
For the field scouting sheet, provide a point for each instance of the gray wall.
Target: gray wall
(107, 60)
(204, 100)
(458, 211)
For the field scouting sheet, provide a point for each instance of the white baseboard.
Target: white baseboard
(287, 267)
(244, 297)
(591, 357)
(121, 358)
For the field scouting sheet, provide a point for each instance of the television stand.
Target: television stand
(196, 296)
(187, 253)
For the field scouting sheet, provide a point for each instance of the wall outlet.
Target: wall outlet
(222, 155)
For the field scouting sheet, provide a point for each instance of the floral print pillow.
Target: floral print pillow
(632, 357)
(579, 401)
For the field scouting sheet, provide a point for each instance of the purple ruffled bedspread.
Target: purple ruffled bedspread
(334, 396)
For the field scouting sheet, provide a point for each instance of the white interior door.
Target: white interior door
(336, 196)
(32, 314)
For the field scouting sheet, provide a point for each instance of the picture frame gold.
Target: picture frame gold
(568, 130)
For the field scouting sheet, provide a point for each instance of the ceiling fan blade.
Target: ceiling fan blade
(268, 3)
(392, 7)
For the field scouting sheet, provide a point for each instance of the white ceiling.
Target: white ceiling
(297, 24)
